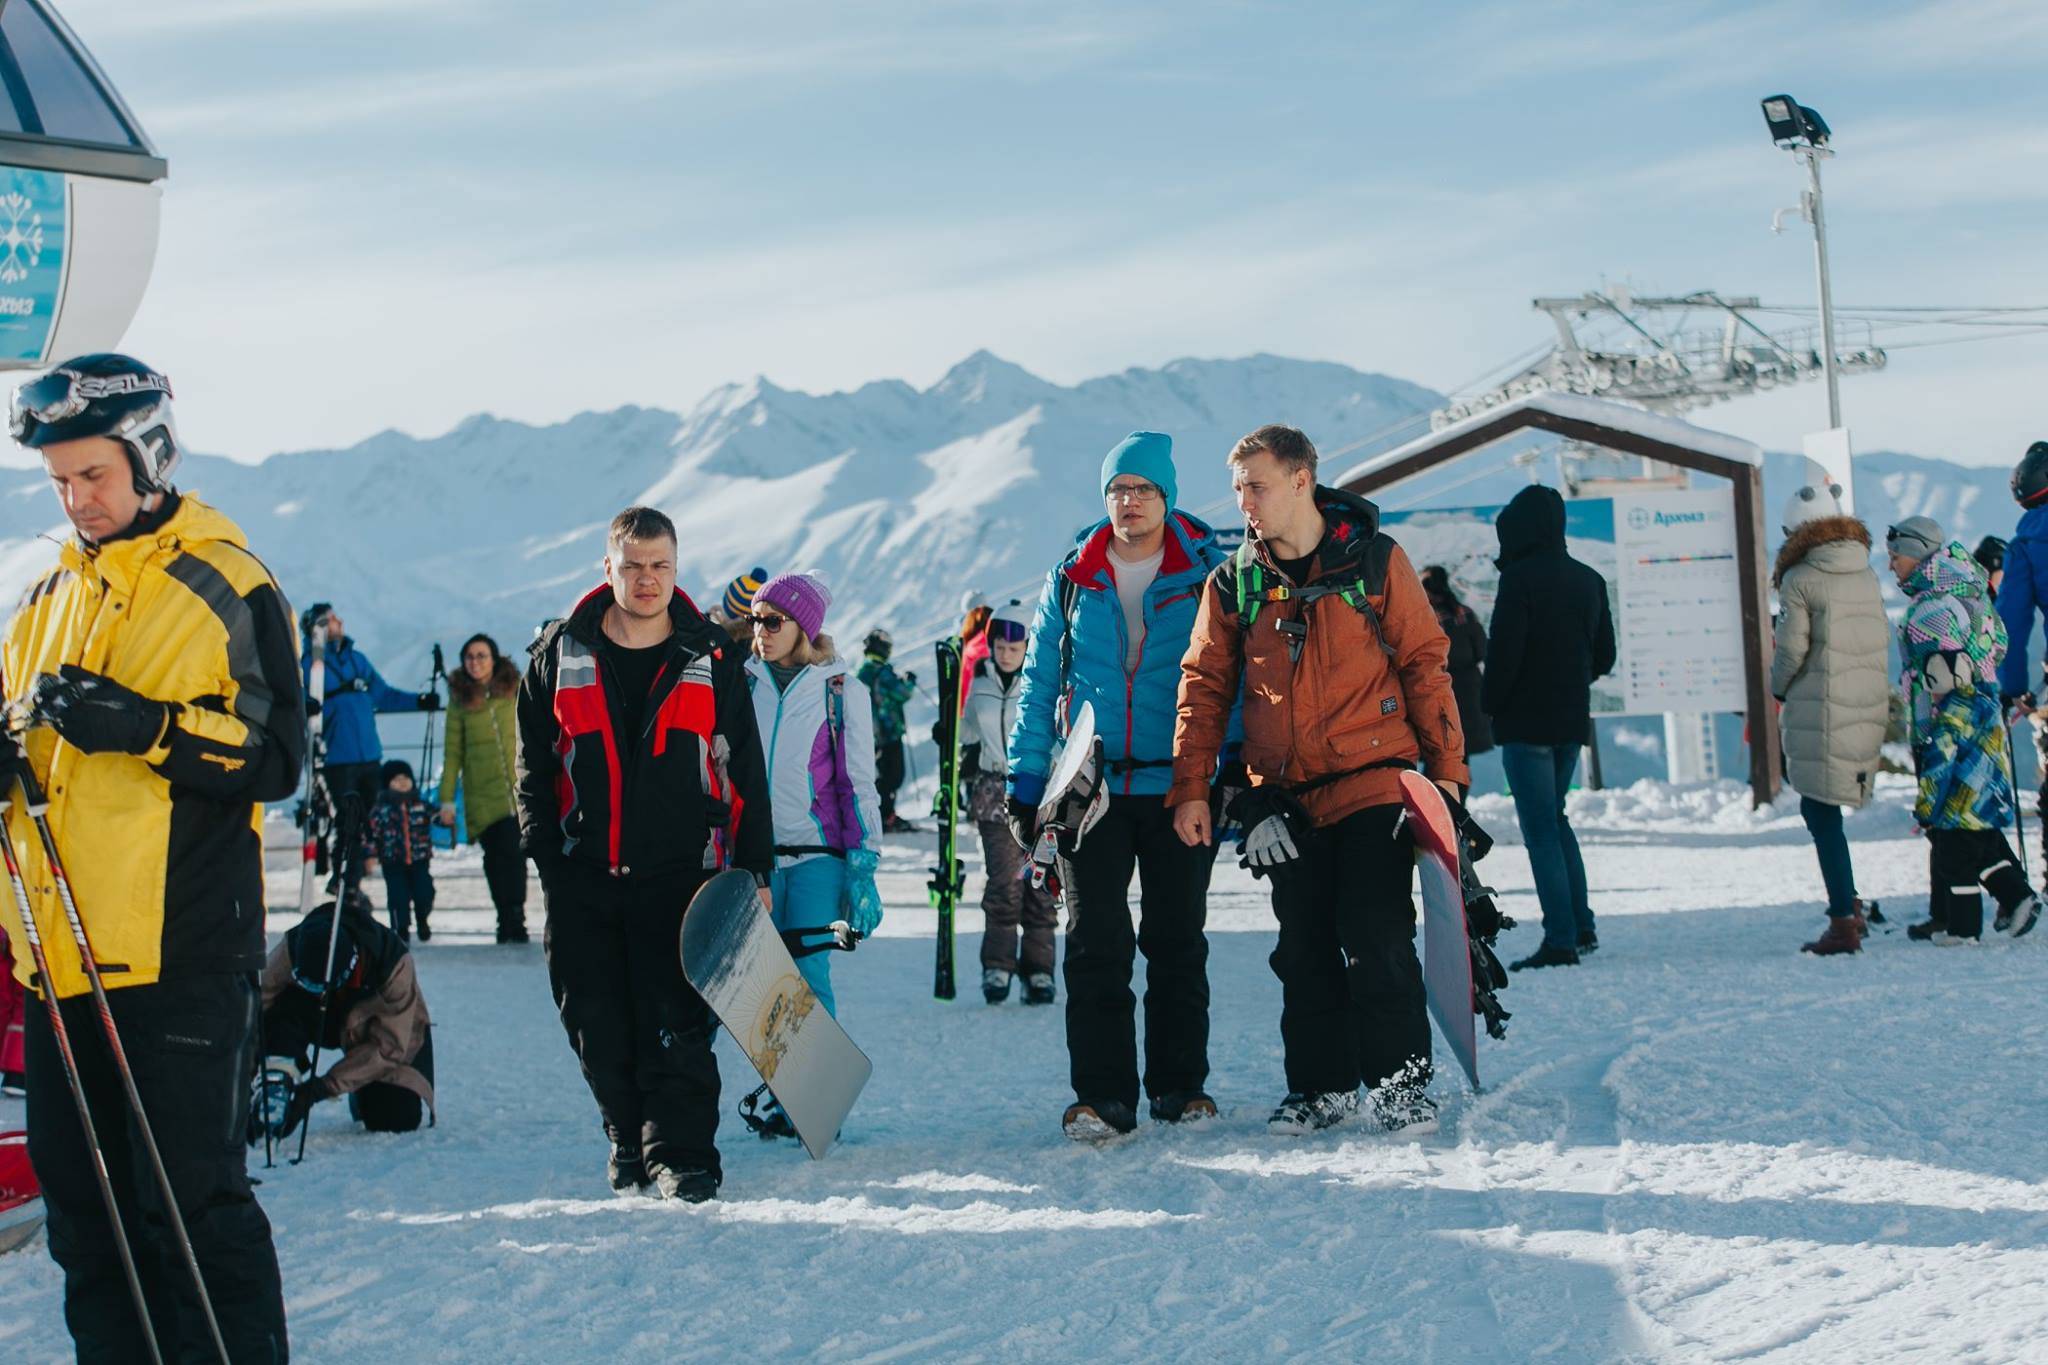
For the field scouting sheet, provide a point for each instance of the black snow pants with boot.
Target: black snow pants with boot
(1352, 1004)
(641, 1032)
(1136, 834)
(191, 1044)
(1962, 864)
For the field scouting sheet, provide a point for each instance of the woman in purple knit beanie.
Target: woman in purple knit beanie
(819, 734)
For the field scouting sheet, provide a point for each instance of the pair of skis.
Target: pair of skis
(949, 873)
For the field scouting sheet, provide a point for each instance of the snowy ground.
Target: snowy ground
(1699, 1146)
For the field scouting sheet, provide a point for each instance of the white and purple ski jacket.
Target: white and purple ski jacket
(821, 780)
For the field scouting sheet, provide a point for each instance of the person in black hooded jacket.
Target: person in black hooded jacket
(1552, 634)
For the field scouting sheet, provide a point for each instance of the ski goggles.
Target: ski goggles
(62, 394)
(1007, 632)
(344, 973)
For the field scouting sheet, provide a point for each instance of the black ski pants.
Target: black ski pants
(888, 774)
(408, 895)
(641, 1032)
(505, 873)
(1352, 1005)
(190, 1042)
(1961, 865)
(1136, 833)
(360, 781)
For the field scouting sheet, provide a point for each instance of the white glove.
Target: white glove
(1270, 843)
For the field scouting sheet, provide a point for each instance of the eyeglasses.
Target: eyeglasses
(1007, 632)
(1133, 492)
(769, 622)
(476, 654)
(61, 395)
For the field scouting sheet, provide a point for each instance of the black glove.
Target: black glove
(1276, 828)
(970, 761)
(97, 714)
(430, 700)
(304, 1097)
(1231, 782)
(13, 759)
(910, 679)
(1023, 822)
(312, 707)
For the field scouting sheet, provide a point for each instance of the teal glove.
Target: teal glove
(863, 901)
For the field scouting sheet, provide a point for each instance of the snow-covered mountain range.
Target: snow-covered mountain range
(901, 497)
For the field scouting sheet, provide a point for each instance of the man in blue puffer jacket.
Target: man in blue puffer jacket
(352, 695)
(1112, 624)
(2024, 592)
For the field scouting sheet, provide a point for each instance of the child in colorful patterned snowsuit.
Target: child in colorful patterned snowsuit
(1951, 643)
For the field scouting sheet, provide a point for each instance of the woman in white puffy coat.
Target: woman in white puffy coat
(1829, 669)
(818, 734)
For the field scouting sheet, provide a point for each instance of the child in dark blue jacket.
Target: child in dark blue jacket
(401, 832)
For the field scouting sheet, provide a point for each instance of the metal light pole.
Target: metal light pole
(1804, 133)
(1811, 156)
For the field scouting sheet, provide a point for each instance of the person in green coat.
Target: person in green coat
(483, 732)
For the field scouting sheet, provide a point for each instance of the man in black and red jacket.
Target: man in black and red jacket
(640, 775)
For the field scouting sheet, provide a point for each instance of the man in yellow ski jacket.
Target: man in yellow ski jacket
(154, 668)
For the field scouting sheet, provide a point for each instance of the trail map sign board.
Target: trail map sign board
(1673, 584)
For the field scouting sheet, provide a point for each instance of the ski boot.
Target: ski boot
(692, 1186)
(995, 985)
(2015, 923)
(425, 933)
(1038, 989)
(1547, 956)
(625, 1171)
(1406, 1110)
(1095, 1120)
(1299, 1113)
(1926, 929)
(1589, 942)
(1182, 1106)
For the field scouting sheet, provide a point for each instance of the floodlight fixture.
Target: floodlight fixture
(1792, 124)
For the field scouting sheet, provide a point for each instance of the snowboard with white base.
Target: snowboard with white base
(738, 962)
(1446, 951)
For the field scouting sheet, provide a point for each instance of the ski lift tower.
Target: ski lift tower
(81, 186)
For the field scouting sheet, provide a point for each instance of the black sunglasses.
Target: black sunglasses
(769, 622)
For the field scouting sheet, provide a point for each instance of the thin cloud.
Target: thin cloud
(490, 90)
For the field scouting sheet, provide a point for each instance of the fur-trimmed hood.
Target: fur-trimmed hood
(468, 692)
(1805, 539)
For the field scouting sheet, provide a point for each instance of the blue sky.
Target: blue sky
(399, 212)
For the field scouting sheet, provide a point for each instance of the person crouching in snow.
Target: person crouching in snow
(401, 830)
(819, 734)
(1951, 643)
(1009, 901)
(375, 1017)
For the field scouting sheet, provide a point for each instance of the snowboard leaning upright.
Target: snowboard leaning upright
(1446, 950)
(739, 964)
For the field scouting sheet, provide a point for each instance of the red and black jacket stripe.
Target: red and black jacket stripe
(688, 794)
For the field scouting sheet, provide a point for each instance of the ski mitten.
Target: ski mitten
(863, 903)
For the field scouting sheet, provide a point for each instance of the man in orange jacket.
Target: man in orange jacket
(1323, 621)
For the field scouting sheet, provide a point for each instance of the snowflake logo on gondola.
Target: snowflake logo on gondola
(23, 238)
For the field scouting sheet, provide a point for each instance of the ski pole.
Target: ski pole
(427, 741)
(351, 809)
(63, 1036)
(2019, 819)
(38, 806)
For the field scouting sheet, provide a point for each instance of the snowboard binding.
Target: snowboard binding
(1075, 799)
